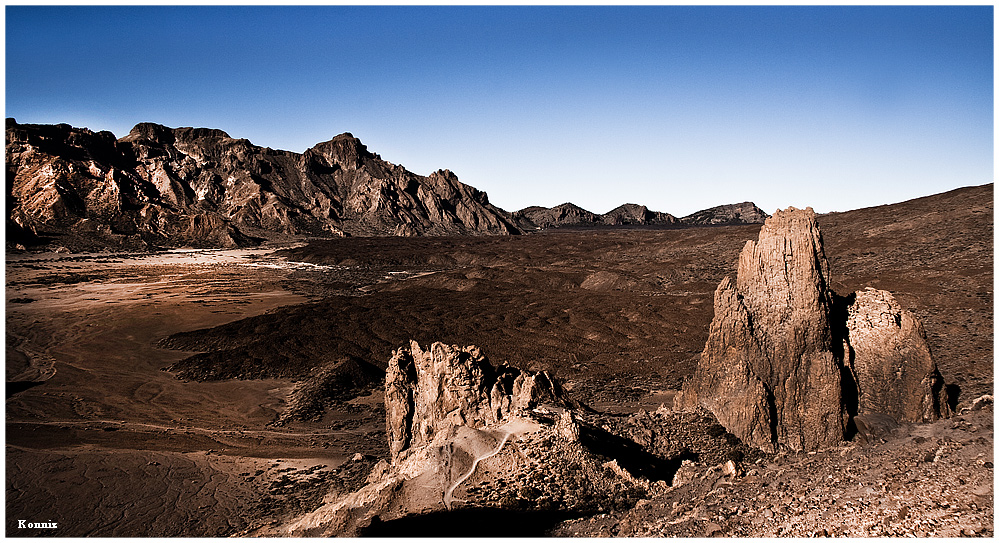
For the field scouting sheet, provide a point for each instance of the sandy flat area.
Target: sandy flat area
(93, 418)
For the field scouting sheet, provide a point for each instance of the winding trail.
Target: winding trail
(448, 495)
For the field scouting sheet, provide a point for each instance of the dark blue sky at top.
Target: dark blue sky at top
(678, 108)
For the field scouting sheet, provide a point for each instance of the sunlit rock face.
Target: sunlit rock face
(473, 439)
(890, 361)
(201, 187)
(429, 393)
(787, 363)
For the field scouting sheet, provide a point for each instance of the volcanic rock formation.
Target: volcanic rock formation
(636, 214)
(464, 434)
(567, 214)
(890, 361)
(787, 363)
(430, 393)
(571, 215)
(200, 187)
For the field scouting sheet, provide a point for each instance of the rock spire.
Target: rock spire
(787, 363)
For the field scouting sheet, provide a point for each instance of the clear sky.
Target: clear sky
(676, 108)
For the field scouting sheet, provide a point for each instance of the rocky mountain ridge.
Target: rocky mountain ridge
(199, 187)
(572, 216)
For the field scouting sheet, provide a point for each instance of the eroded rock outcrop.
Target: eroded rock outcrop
(784, 366)
(429, 393)
(464, 434)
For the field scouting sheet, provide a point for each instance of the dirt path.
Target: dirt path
(511, 428)
(475, 463)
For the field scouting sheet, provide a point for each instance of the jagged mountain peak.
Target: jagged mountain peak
(343, 150)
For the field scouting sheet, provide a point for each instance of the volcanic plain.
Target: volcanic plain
(150, 394)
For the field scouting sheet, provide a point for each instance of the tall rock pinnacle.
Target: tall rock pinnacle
(783, 367)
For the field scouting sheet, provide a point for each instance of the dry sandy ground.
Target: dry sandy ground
(149, 454)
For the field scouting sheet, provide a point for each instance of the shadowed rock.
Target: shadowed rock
(781, 368)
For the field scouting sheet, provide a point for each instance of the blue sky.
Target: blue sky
(676, 108)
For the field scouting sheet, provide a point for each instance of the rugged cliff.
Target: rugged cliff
(161, 186)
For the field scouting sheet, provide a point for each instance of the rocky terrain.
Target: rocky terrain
(769, 374)
(274, 407)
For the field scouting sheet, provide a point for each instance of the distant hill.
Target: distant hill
(744, 213)
(566, 214)
(636, 214)
(571, 215)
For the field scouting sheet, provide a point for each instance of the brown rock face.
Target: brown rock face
(890, 362)
(768, 371)
(428, 394)
(772, 370)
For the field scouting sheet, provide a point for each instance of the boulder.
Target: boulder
(890, 361)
